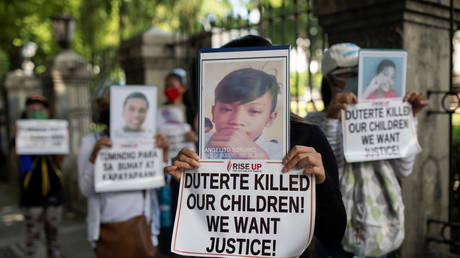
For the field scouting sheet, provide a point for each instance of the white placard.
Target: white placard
(379, 130)
(244, 98)
(36, 136)
(128, 169)
(241, 208)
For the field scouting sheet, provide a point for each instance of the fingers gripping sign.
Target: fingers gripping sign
(306, 158)
(185, 159)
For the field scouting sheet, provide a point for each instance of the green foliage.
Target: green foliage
(100, 24)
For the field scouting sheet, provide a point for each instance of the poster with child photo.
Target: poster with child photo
(243, 104)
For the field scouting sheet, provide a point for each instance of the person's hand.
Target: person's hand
(237, 140)
(191, 136)
(162, 142)
(417, 101)
(185, 159)
(306, 158)
(339, 102)
(103, 142)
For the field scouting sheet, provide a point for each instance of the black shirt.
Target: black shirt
(330, 212)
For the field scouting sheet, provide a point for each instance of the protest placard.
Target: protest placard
(172, 125)
(128, 169)
(241, 208)
(132, 114)
(379, 130)
(42, 137)
(243, 103)
(382, 74)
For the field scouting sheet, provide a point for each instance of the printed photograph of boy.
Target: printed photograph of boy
(244, 110)
(132, 112)
(382, 76)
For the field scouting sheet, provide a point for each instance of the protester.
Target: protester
(177, 112)
(41, 187)
(109, 210)
(177, 93)
(245, 104)
(311, 152)
(339, 89)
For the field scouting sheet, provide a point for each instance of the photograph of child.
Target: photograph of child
(382, 74)
(133, 112)
(244, 109)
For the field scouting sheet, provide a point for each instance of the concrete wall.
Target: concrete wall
(421, 28)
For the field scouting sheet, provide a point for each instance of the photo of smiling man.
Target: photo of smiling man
(245, 106)
(135, 109)
(133, 112)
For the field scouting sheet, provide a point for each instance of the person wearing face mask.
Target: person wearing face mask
(179, 112)
(381, 86)
(339, 89)
(113, 209)
(41, 189)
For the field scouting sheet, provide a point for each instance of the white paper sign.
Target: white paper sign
(128, 169)
(175, 133)
(36, 136)
(379, 130)
(241, 208)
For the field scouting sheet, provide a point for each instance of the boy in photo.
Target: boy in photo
(245, 104)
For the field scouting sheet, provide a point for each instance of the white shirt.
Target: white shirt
(112, 206)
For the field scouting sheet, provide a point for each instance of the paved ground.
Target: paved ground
(72, 234)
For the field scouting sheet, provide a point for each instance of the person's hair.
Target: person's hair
(179, 78)
(385, 63)
(245, 85)
(136, 95)
(248, 41)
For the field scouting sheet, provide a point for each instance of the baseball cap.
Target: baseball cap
(342, 55)
(37, 99)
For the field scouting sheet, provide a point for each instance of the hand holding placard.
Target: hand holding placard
(103, 142)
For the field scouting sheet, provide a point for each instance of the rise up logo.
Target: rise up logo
(243, 167)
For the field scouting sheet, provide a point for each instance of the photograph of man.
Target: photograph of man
(132, 113)
(245, 104)
(135, 108)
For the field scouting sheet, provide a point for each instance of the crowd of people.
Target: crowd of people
(341, 229)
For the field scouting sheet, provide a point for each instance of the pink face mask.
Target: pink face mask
(172, 94)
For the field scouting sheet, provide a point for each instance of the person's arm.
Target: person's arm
(403, 167)
(85, 167)
(89, 149)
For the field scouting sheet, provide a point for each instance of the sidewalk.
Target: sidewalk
(72, 233)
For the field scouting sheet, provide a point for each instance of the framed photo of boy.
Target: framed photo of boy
(244, 103)
(132, 113)
(382, 74)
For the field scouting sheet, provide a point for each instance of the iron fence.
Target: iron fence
(290, 23)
